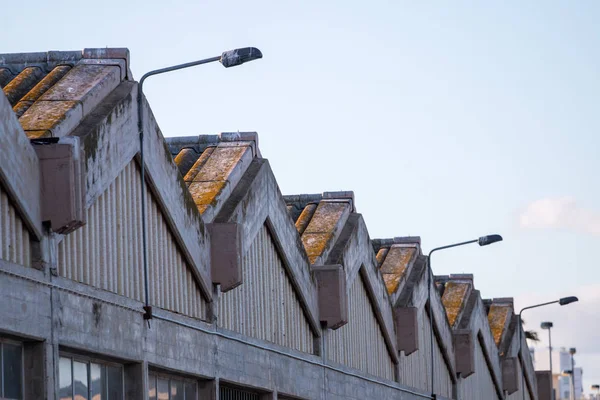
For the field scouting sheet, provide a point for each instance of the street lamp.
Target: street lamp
(482, 241)
(549, 325)
(572, 352)
(228, 59)
(563, 302)
(597, 389)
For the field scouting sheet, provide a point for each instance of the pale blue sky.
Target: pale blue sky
(446, 120)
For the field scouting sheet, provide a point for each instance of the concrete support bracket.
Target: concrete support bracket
(226, 254)
(510, 374)
(332, 294)
(464, 352)
(62, 184)
(407, 329)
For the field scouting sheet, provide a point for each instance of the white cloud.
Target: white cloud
(560, 213)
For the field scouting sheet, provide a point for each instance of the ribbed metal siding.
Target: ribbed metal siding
(360, 344)
(415, 369)
(518, 395)
(229, 393)
(265, 305)
(107, 251)
(14, 236)
(480, 384)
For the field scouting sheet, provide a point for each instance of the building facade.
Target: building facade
(203, 281)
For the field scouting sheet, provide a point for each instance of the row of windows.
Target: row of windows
(84, 378)
(81, 379)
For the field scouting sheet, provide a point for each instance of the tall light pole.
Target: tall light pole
(548, 325)
(563, 302)
(228, 59)
(597, 389)
(482, 241)
(572, 352)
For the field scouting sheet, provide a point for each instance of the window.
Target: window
(84, 379)
(234, 393)
(11, 370)
(162, 387)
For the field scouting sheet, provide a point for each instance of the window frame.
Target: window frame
(165, 375)
(15, 343)
(88, 360)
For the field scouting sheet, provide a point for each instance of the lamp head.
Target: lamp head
(546, 325)
(489, 239)
(567, 300)
(235, 57)
(572, 350)
(595, 387)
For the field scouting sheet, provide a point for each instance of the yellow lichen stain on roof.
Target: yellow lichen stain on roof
(305, 217)
(454, 299)
(210, 173)
(315, 244)
(321, 227)
(22, 84)
(38, 134)
(205, 194)
(326, 216)
(220, 164)
(497, 318)
(189, 176)
(46, 115)
(381, 255)
(391, 282)
(394, 266)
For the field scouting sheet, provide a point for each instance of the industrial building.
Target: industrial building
(237, 291)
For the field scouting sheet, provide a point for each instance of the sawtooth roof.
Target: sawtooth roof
(51, 92)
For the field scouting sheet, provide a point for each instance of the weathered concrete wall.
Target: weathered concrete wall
(256, 201)
(109, 136)
(66, 314)
(413, 293)
(19, 168)
(488, 376)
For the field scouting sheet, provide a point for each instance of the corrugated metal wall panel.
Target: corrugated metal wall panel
(479, 385)
(15, 243)
(107, 251)
(518, 395)
(360, 344)
(265, 306)
(415, 369)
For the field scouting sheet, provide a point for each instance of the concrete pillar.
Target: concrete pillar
(208, 390)
(34, 370)
(136, 381)
(544, 385)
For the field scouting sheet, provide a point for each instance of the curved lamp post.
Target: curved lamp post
(482, 241)
(563, 302)
(228, 59)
